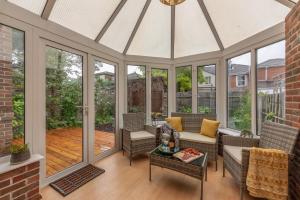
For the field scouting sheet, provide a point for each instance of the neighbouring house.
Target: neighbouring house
(270, 74)
(106, 76)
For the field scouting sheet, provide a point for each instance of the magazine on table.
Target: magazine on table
(188, 155)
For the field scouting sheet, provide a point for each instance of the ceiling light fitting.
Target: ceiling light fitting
(171, 2)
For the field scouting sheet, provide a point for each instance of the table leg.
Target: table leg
(206, 173)
(201, 196)
(150, 172)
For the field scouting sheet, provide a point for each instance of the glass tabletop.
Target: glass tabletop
(198, 162)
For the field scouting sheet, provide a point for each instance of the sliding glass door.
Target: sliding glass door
(66, 109)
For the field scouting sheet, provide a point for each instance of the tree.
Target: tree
(242, 114)
(184, 79)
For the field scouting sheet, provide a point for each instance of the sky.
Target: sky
(106, 67)
(272, 51)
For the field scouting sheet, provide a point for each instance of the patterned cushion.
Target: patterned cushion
(140, 135)
(235, 152)
(196, 137)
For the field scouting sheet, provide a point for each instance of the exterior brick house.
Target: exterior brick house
(268, 73)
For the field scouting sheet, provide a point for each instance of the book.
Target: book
(188, 155)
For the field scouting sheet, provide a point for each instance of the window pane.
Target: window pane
(184, 89)
(64, 106)
(136, 88)
(238, 93)
(207, 89)
(159, 93)
(105, 101)
(12, 88)
(270, 73)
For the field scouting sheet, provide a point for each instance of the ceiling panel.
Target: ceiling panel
(35, 6)
(192, 32)
(118, 33)
(153, 37)
(84, 17)
(236, 20)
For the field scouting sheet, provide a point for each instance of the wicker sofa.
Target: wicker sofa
(236, 149)
(190, 137)
(138, 138)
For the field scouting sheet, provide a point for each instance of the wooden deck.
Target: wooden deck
(64, 147)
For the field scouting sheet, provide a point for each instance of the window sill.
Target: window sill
(230, 132)
(5, 165)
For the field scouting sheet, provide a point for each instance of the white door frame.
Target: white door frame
(40, 86)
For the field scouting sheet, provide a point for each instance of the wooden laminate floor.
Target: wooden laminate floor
(122, 182)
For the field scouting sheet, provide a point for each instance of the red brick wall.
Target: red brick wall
(293, 67)
(293, 90)
(272, 72)
(21, 183)
(6, 111)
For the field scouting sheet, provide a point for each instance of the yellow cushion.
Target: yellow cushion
(175, 122)
(209, 128)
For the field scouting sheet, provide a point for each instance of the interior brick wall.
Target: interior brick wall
(21, 183)
(293, 90)
(6, 110)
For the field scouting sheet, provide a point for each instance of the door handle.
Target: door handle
(85, 109)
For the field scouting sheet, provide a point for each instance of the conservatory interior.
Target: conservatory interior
(149, 99)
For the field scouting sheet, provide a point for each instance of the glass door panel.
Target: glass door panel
(64, 110)
(104, 106)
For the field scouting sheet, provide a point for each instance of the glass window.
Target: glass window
(270, 81)
(105, 109)
(206, 85)
(64, 110)
(136, 88)
(238, 93)
(241, 80)
(12, 88)
(159, 93)
(184, 89)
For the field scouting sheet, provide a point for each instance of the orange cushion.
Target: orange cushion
(175, 123)
(209, 128)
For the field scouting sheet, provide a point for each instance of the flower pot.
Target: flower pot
(17, 158)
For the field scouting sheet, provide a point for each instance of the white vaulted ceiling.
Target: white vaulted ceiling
(150, 28)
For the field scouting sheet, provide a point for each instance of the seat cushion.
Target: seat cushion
(196, 137)
(175, 122)
(235, 152)
(140, 135)
(209, 128)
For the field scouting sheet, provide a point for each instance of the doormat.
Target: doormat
(76, 179)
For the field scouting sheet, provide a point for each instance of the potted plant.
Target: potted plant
(246, 133)
(19, 153)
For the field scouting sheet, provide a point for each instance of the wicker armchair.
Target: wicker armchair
(190, 137)
(236, 149)
(138, 138)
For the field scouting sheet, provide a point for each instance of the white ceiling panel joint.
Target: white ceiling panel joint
(137, 25)
(47, 9)
(110, 20)
(172, 31)
(287, 3)
(211, 24)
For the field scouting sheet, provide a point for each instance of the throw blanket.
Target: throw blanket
(268, 174)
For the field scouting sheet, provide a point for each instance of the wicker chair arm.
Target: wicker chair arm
(126, 134)
(150, 129)
(240, 141)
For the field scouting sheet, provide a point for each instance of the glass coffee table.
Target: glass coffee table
(196, 168)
